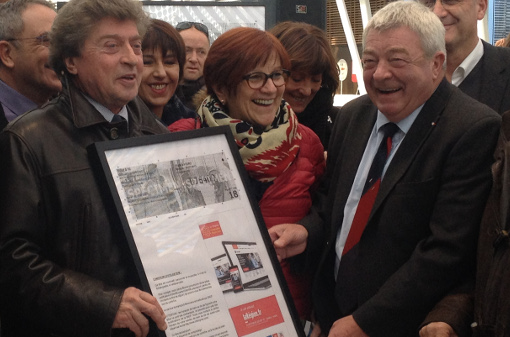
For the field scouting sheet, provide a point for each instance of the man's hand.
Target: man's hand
(437, 329)
(134, 304)
(288, 239)
(346, 327)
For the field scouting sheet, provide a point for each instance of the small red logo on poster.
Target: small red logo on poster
(211, 229)
(255, 316)
(301, 9)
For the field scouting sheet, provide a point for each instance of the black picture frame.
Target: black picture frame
(117, 166)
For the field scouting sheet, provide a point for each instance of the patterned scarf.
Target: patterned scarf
(266, 153)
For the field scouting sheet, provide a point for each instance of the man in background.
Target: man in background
(26, 79)
(483, 72)
(479, 69)
(196, 40)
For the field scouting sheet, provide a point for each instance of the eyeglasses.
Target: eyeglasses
(188, 24)
(258, 79)
(43, 39)
(444, 3)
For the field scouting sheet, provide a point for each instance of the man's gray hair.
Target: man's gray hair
(415, 16)
(11, 24)
(77, 18)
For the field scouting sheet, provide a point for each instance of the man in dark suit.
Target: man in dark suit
(419, 237)
(479, 69)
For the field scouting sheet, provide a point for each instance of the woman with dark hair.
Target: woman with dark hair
(163, 60)
(245, 74)
(314, 75)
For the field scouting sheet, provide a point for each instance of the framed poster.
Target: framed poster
(197, 237)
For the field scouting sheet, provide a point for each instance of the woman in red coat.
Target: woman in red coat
(245, 75)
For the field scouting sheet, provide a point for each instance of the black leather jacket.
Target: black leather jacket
(63, 263)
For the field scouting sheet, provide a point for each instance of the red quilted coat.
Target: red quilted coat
(288, 200)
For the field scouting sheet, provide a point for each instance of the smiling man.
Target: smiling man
(479, 69)
(399, 208)
(26, 79)
(64, 263)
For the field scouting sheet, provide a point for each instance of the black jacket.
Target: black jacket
(319, 115)
(3, 120)
(63, 263)
(492, 305)
(489, 81)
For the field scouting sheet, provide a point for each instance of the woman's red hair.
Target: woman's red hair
(236, 53)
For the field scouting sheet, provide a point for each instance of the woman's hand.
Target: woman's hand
(500, 42)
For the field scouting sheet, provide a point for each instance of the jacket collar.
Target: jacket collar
(494, 75)
(419, 132)
(489, 81)
(140, 117)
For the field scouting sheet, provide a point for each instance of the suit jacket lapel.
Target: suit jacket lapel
(3, 119)
(417, 135)
(492, 83)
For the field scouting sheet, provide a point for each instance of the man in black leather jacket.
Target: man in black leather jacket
(65, 268)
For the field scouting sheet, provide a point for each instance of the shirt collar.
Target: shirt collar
(468, 64)
(404, 125)
(104, 111)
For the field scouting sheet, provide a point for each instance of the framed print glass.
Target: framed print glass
(197, 236)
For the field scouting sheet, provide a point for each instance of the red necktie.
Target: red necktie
(346, 291)
(371, 188)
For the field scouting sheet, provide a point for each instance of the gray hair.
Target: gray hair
(77, 18)
(11, 24)
(414, 16)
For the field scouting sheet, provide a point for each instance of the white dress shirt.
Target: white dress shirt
(469, 63)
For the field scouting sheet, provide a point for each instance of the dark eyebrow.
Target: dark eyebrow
(113, 36)
(118, 37)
